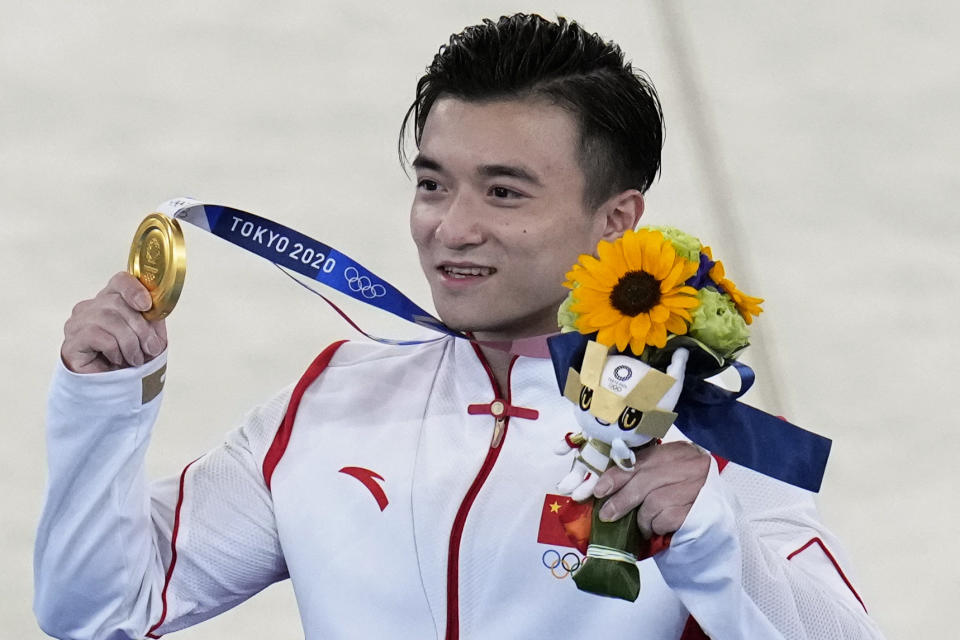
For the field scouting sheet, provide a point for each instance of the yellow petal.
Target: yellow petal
(676, 325)
(637, 345)
(668, 256)
(716, 272)
(672, 278)
(680, 301)
(589, 280)
(659, 313)
(603, 317)
(607, 253)
(632, 251)
(599, 270)
(651, 254)
(592, 296)
(657, 336)
(640, 326)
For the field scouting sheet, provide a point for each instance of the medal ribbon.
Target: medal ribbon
(291, 250)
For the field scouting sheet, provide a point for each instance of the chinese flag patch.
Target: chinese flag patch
(565, 523)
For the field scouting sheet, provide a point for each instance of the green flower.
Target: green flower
(717, 323)
(683, 243)
(566, 319)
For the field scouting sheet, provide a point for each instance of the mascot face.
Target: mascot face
(620, 375)
(617, 396)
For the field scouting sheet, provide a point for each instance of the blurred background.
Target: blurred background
(814, 146)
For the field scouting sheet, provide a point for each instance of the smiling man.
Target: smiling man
(408, 492)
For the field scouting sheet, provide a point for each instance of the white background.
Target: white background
(813, 145)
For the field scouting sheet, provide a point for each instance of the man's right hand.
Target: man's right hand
(109, 332)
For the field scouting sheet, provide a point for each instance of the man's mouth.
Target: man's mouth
(462, 273)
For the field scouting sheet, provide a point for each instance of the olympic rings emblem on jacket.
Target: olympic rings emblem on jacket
(560, 566)
(362, 284)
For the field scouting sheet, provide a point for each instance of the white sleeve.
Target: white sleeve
(117, 558)
(752, 560)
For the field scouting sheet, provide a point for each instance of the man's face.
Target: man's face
(498, 216)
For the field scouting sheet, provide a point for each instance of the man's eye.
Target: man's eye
(503, 193)
(428, 185)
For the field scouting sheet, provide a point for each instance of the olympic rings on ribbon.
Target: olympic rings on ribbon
(363, 285)
(568, 563)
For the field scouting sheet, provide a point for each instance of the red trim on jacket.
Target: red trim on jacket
(836, 566)
(721, 462)
(282, 437)
(456, 533)
(692, 631)
(173, 553)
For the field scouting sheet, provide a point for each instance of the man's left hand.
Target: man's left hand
(664, 482)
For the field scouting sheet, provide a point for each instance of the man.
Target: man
(402, 489)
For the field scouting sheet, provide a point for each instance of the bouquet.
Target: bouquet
(654, 307)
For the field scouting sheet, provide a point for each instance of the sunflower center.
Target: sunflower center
(637, 292)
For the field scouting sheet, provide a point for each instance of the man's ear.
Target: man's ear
(621, 213)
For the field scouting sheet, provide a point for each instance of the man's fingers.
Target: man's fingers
(657, 467)
(131, 291)
(614, 478)
(115, 331)
(640, 484)
(105, 344)
(665, 508)
(150, 341)
(110, 330)
(669, 520)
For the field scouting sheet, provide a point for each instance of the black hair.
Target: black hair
(526, 56)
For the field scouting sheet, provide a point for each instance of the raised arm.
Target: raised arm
(115, 557)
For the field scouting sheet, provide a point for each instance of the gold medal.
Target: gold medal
(158, 259)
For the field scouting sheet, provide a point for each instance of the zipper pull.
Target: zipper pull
(499, 427)
(499, 410)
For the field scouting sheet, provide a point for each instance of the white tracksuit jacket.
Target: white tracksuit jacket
(397, 513)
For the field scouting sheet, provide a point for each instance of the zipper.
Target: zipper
(456, 534)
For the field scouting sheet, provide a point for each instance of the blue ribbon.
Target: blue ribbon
(302, 254)
(716, 420)
(713, 418)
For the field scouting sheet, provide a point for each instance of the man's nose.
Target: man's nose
(461, 224)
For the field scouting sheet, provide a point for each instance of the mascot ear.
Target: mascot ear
(566, 351)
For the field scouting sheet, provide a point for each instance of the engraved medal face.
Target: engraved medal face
(158, 260)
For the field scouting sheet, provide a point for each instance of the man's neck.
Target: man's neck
(499, 351)
(499, 362)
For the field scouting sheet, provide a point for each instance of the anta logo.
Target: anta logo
(369, 480)
(564, 523)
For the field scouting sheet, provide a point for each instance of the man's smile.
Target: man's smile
(464, 271)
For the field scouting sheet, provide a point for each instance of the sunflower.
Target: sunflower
(748, 306)
(634, 292)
